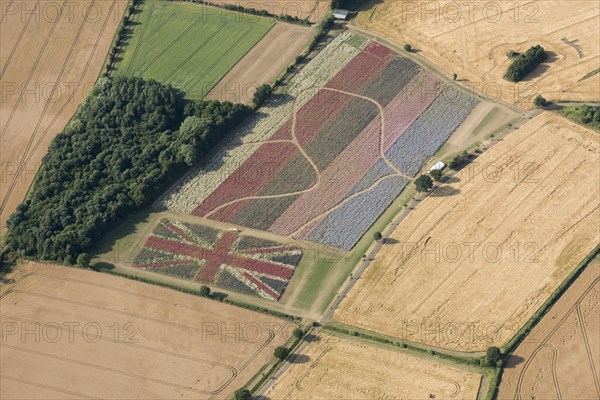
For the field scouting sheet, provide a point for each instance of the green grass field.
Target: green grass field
(188, 46)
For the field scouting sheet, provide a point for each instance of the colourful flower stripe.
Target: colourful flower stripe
(358, 157)
(181, 250)
(379, 50)
(347, 224)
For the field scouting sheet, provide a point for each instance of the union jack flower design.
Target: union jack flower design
(224, 258)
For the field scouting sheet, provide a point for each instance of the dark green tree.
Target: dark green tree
(281, 352)
(83, 260)
(408, 47)
(540, 102)
(262, 93)
(423, 183)
(436, 174)
(204, 291)
(492, 356)
(377, 236)
(242, 394)
(298, 333)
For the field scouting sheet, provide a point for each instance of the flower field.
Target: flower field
(236, 262)
(325, 160)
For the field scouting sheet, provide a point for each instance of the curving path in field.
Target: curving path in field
(295, 142)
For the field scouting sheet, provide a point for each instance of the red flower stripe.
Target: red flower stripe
(379, 50)
(261, 286)
(268, 250)
(219, 255)
(180, 232)
(263, 267)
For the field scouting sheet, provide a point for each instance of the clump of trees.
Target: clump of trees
(492, 358)
(423, 183)
(525, 63)
(127, 141)
(242, 394)
(281, 352)
(459, 160)
(540, 102)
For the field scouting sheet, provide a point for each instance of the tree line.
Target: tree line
(127, 141)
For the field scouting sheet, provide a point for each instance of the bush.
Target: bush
(298, 333)
(242, 394)
(377, 236)
(423, 183)
(459, 160)
(436, 174)
(281, 353)
(526, 63)
(408, 47)
(540, 102)
(262, 93)
(492, 357)
(204, 291)
(83, 260)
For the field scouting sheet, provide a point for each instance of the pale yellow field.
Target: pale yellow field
(333, 367)
(71, 333)
(471, 39)
(263, 64)
(472, 263)
(50, 56)
(560, 357)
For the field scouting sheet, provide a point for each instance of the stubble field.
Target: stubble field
(50, 56)
(148, 342)
(263, 64)
(560, 357)
(332, 367)
(472, 263)
(462, 38)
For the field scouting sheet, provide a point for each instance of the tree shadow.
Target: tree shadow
(513, 361)
(542, 68)
(390, 241)
(445, 191)
(298, 359)
(102, 266)
(451, 179)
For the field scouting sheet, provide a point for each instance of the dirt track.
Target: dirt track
(471, 264)
(560, 357)
(49, 62)
(146, 341)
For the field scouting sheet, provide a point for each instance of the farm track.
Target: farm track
(29, 151)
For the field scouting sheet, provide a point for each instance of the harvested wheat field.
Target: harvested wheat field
(51, 54)
(462, 38)
(332, 367)
(263, 64)
(472, 263)
(147, 342)
(313, 10)
(560, 357)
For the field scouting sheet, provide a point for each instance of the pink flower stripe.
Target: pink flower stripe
(356, 159)
(357, 73)
(263, 267)
(261, 286)
(379, 50)
(179, 232)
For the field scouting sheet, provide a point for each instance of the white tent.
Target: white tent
(438, 165)
(340, 14)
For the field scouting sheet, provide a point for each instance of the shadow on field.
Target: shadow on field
(542, 68)
(445, 191)
(298, 359)
(513, 361)
(390, 241)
